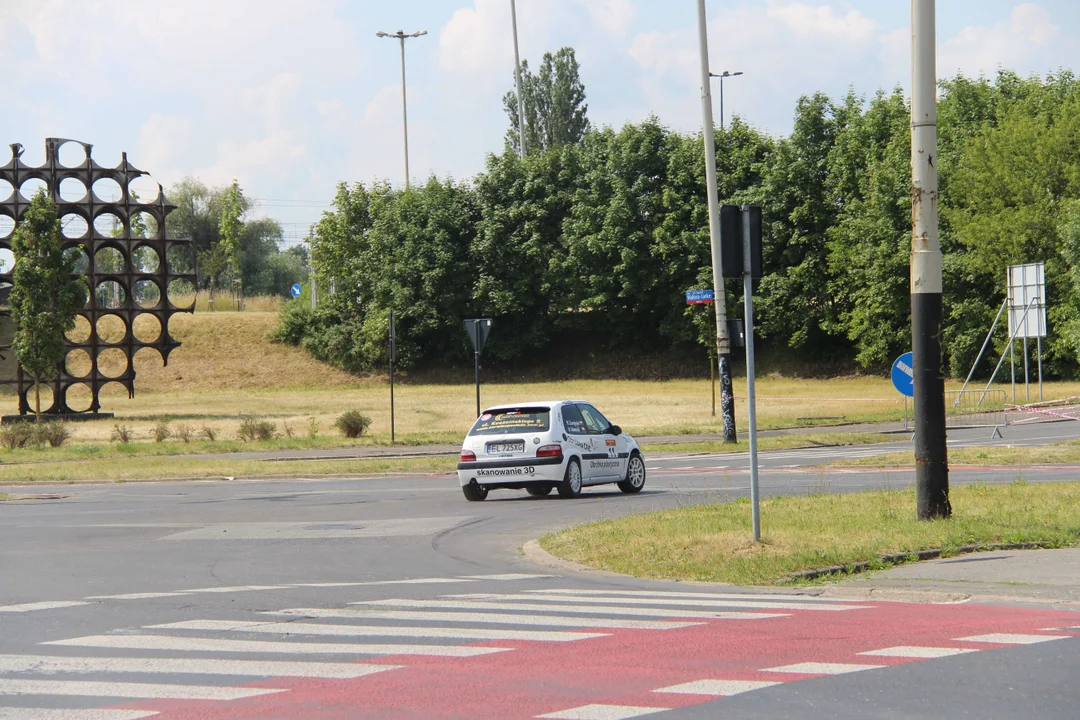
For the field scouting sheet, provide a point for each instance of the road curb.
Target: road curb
(531, 550)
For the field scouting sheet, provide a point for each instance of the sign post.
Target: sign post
(705, 297)
(751, 265)
(393, 357)
(478, 331)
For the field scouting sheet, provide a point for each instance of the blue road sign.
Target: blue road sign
(296, 290)
(903, 375)
(698, 297)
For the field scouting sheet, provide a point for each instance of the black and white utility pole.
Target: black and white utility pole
(931, 458)
(402, 36)
(517, 81)
(723, 338)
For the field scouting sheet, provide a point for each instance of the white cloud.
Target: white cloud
(612, 16)
(1027, 42)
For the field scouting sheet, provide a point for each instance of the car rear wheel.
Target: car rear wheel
(538, 490)
(635, 475)
(474, 492)
(570, 487)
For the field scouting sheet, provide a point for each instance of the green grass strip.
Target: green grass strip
(713, 542)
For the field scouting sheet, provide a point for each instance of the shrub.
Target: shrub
(121, 434)
(288, 430)
(209, 433)
(352, 423)
(160, 431)
(312, 426)
(53, 434)
(184, 432)
(252, 429)
(16, 435)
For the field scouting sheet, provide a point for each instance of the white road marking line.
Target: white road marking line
(416, 581)
(663, 601)
(603, 712)
(86, 688)
(165, 642)
(717, 687)
(508, 576)
(492, 618)
(236, 588)
(814, 668)
(19, 713)
(301, 628)
(538, 607)
(35, 606)
(1012, 639)
(138, 596)
(46, 664)
(705, 595)
(910, 651)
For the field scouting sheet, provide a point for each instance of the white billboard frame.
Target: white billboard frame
(1027, 300)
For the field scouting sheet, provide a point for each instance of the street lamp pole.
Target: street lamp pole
(517, 81)
(402, 36)
(723, 75)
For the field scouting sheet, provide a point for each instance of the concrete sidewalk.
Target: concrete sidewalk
(1028, 576)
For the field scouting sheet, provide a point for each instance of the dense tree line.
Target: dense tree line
(230, 246)
(599, 238)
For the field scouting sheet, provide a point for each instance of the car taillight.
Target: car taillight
(549, 451)
(468, 456)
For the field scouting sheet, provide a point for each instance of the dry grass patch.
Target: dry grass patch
(161, 468)
(713, 542)
(774, 442)
(1060, 454)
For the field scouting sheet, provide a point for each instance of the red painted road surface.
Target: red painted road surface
(626, 667)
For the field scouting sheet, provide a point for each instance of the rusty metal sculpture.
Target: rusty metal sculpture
(134, 271)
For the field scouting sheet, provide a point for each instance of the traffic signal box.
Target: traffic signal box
(732, 261)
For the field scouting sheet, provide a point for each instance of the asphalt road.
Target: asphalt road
(328, 583)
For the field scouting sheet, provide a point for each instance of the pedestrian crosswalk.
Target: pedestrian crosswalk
(216, 658)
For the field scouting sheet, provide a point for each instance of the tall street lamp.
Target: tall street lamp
(517, 81)
(723, 75)
(399, 35)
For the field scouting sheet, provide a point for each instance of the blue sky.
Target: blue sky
(291, 97)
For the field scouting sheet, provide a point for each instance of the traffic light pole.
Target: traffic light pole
(723, 338)
(931, 458)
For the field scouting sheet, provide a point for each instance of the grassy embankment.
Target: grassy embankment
(226, 368)
(714, 542)
(1066, 453)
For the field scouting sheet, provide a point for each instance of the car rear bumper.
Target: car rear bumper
(515, 472)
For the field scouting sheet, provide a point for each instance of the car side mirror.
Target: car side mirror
(614, 430)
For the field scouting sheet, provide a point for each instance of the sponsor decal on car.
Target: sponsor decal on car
(603, 463)
(610, 443)
(504, 472)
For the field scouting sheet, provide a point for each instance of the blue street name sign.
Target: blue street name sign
(296, 290)
(698, 297)
(903, 375)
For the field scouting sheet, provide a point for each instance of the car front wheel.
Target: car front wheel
(474, 492)
(635, 475)
(570, 487)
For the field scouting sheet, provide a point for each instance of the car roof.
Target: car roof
(532, 403)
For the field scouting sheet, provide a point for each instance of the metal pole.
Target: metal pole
(476, 361)
(1027, 382)
(986, 342)
(1012, 363)
(517, 81)
(1038, 352)
(751, 399)
(723, 341)
(721, 102)
(404, 110)
(712, 382)
(393, 349)
(931, 454)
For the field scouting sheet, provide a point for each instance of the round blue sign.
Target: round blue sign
(903, 375)
(296, 290)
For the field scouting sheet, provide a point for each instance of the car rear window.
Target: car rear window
(511, 420)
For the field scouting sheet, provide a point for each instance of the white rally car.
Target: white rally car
(537, 446)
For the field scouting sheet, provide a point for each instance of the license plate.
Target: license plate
(506, 447)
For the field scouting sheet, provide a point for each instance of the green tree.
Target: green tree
(213, 264)
(45, 296)
(554, 104)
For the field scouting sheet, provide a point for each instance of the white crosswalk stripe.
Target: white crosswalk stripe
(168, 642)
(485, 618)
(49, 665)
(447, 626)
(299, 628)
(22, 713)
